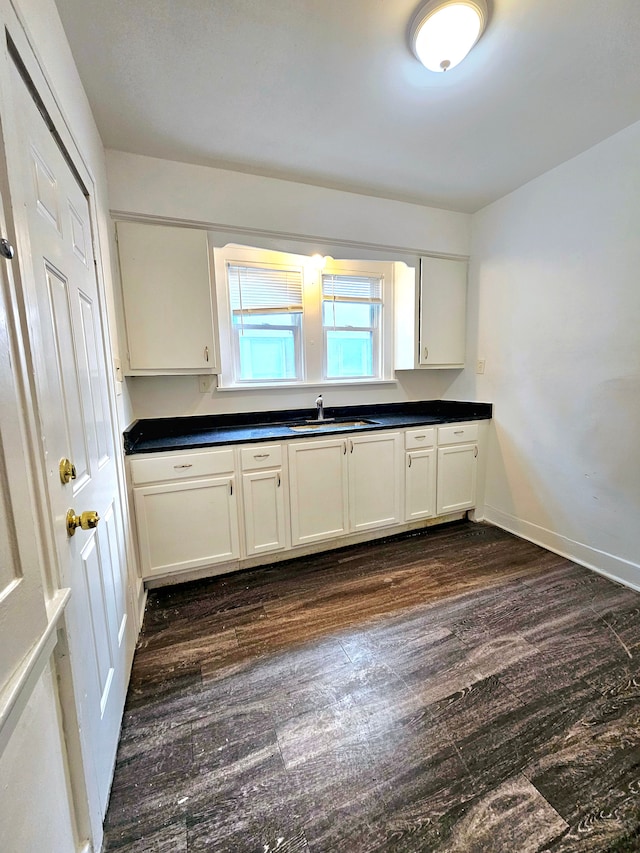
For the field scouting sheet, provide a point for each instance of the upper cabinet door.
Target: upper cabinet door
(167, 298)
(443, 310)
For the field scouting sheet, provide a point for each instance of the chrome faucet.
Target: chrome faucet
(320, 407)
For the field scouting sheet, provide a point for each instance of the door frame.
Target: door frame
(19, 49)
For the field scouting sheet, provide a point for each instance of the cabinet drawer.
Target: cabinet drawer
(457, 433)
(417, 438)
(261, 456)
(153, 469)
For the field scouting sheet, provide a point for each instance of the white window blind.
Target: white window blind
(352, 288)
(261, 290)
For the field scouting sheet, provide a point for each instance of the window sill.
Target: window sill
(332, 383)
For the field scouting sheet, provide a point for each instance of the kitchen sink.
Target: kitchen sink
(328, 424)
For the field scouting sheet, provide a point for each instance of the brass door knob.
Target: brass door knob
(87, 521)
(67, 471)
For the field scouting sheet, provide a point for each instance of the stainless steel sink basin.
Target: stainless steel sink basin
(327, 424)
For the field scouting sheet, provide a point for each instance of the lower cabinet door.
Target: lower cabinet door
(318, 490)
(420, 484)
(457, 467)
(186, 525)
(264, 518)
(375, 471)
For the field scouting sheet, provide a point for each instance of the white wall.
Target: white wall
(35, 814)
(555, 310)
(149, 187)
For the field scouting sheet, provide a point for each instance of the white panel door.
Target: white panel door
(375, 470)
(457, 473)
(72, 386)
(420, 484)
(264, 521)
(22, 612)
(318, 489)
(186, 525)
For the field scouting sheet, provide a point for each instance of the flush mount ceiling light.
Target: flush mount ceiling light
(443, 31)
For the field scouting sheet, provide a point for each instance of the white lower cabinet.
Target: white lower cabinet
(264, 519)
(296, 493)
(187, 524)
(375, 495)
(457, 475)
(263, 490)
(420, 473)
(420, 484)
(344, 485)
(318, 489)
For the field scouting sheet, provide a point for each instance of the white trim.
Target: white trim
(612, 567)
(310, 241)
(16, 694)
(320, 384)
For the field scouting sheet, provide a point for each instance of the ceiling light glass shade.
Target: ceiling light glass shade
(444, 31)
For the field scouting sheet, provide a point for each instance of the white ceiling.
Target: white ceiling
(327, 91)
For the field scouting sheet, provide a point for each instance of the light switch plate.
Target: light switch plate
(205, 383)
(480, 363)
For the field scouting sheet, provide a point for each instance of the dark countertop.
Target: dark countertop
(159, 434)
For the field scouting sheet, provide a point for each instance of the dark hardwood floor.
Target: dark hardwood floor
(453, 690)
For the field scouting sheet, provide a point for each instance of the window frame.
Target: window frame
(234, 331)
(312, 369)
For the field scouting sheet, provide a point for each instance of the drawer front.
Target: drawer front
(457, 433)
(152, 469)
(414, 439)
(261, 456)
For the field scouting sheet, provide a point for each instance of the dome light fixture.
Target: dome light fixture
(443, 31)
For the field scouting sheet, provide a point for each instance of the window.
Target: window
(266, 315)
(289, 319)
(351, 308)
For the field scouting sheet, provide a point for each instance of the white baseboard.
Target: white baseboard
(612, 567)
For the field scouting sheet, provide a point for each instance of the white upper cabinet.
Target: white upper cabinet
(443, 312)
(431, 319)
(167, 299)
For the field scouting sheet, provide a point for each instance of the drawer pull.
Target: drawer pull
(344, 448)
(230, 489)
(177, 467)
(278, 480)
(458, 432)
(206, 353)
(426, 353)
(419, 437)
(261, 455)
(475, 453)
(409, 455)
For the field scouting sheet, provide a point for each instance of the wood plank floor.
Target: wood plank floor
(453, 690)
